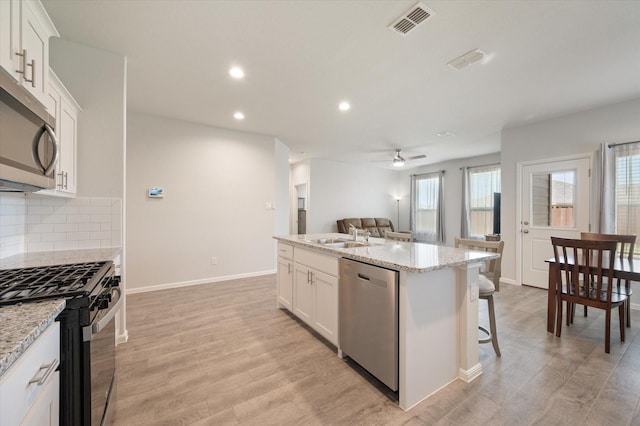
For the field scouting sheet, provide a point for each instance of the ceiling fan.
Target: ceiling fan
(399, 161)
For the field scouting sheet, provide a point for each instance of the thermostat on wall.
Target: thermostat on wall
(156, 193)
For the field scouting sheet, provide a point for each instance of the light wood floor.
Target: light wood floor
(223, 354)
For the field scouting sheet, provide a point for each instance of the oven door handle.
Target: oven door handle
(102, 323)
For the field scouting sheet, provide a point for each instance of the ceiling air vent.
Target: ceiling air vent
(467, 59)
(411, 19)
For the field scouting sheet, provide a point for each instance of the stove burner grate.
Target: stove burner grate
(44, 282)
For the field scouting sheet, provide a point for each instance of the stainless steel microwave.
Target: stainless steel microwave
(28, 144)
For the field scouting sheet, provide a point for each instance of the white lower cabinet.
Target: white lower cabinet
(285, 276)
(285, 283)
(30, 389)
(315, 292)
(45, 410)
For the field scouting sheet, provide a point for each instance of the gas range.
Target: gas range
(87, 331)
(70, 281)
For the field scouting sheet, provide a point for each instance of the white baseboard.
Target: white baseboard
(198, 282)
(470, 374)
(509, 281)
(122, 338)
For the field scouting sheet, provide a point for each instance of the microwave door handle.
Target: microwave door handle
(36, 143)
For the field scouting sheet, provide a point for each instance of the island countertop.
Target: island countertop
(399, 255)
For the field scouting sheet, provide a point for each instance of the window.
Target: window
(627, 189)
(484, 182)
(427, 221)
(553, 199)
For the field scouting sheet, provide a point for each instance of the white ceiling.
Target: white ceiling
(301, 58)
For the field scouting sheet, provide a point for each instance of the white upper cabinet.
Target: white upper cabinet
(25, 28)
(64, 109)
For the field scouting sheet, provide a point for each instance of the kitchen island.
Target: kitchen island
(437, 303)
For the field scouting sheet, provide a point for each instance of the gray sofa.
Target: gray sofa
(376, 226)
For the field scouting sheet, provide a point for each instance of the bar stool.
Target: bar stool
(488, 283)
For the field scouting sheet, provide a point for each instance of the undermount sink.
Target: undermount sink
(339, 242)
(347, 244)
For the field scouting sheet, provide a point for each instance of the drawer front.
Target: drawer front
(29, 376)
(285, 250)
(320, 262)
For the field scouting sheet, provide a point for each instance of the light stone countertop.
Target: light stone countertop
(399, 255)
(60, 257)
(20, 326)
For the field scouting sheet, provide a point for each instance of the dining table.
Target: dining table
(623, 269)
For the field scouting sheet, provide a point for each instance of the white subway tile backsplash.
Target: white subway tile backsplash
(54, 218)
(48, 246)
(79, 236)
(39, 227)
(88, 227)
(41, 210)
(66, 227)
(11, 230)
(41, 223)
(32, 238)
(65, 245)
(33, 219)
(100, 218)
(79, 218)
(101, 235)
(51, 236)
(89, 244)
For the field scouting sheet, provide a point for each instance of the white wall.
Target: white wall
(282, 189)
(452, 191)
(572, 134)
(216, 183)
(338, 190)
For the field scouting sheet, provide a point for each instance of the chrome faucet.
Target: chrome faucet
(353, 230)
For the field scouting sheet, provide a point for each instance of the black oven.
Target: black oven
(87, 332)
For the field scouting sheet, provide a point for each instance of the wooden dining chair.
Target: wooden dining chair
(585, 268)
(625, 248)
(488, 283)
(398, 236)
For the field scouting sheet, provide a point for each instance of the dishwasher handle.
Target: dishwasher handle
(364, 277)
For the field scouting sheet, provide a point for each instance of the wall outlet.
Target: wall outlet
(214, 260)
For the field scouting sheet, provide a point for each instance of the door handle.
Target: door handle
(525, 231)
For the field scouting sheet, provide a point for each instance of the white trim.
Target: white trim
(519, 166)
(470, 374)
(122, 338)
(198, 282)
(509, 281)
(432, 393)
(635, 306)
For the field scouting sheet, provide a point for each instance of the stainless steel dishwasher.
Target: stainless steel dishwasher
(368, 312)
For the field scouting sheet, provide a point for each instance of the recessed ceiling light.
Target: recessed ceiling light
(344, 106)
(445, 134)
(238, 116)
(236, 72)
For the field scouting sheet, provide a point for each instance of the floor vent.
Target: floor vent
(411, 19)
(467, 59)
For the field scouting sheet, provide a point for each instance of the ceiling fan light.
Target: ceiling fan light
(397, 162)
